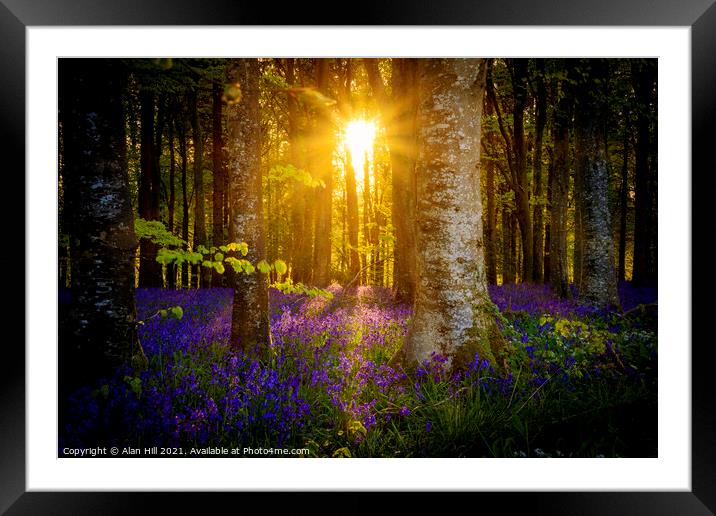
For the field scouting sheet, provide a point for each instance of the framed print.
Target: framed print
(39, 35)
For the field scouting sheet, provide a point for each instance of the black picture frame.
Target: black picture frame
(16, 15)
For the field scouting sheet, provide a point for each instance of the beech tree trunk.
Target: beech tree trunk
(249, 323)
(101, 332)
(599, 286)
(453, 311)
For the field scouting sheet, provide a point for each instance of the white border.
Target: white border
(671, 471)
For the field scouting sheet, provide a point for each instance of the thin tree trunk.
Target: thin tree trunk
(171, 268)
(217, 145)
(185, 272)
(522, 199)
(323, 146)
(399, 114)
(644, 271)
(559, 192)
(150, 271)
(624, 200)
(249, 324)
(203, 277)
(541, 119)
(352, 215)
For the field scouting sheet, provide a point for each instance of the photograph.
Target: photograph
(357, 257)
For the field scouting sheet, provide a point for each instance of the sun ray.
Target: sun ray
(358, 140)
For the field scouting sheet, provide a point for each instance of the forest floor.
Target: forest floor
(581, 382)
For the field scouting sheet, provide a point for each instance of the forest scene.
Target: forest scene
(357, 257)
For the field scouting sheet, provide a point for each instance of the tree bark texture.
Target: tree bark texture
(599, 286)
(101, 332)
(453, 313)
(249, 325)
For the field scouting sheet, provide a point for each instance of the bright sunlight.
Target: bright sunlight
(358, 138)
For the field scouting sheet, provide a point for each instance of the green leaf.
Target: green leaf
(219, 267)
(280, 267)
(219, 257)
(177, 312)
(163, 313)
(263, 267)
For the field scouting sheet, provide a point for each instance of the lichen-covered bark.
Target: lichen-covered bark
(249, 324)
(452, 306)
(599, 286)
(101, 332)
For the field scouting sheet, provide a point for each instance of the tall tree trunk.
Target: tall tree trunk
(185, 271)
(171, 268)
(301, 248)
(522, 193)
(508, 246)
(547, 263)
(323, 146)
(624, 201)
(490, 221)
(453, 313)
(352, 216)
(203, 276)
(368, 257)
(559, 191)
(217, 146)
(599, 286)
(644, 272)
(540, 121)
(101, 332)
(249, 323)
(150, 271)
(400, 113)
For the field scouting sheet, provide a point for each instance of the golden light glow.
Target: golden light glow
(358, 138)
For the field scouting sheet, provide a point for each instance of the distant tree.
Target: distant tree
(323, 163)
(249, 323)
(217, 148)
(644, 81)
(150, 272)
(559, 188)
(399, 113)
(453, 311)
(101, 333)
